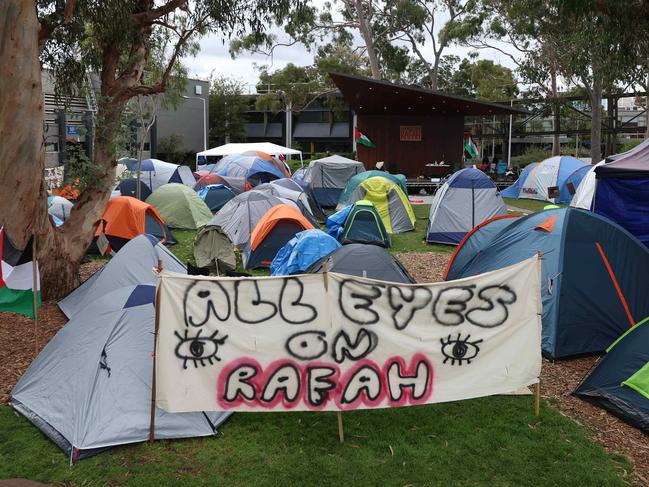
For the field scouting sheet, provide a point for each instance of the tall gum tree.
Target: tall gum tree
(113, 38)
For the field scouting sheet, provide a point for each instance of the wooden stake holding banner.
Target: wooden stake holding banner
(339, 414)
(537, 399)
(35, 291)
(155, 350)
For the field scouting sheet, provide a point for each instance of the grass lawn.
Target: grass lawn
(525, 204)
(488, 441)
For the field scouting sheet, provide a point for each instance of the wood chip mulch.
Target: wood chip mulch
(20, 343)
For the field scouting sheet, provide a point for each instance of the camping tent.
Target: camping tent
(314, 207)
(358, 223)
(364, 261)
(240, 148)
(216, 195)
(623, 191)
(593, 281)
(59, 207)
(466, 199)
(180, 206)
(90, 387)
(302, 251)
(250, 169)
(272, 232)
(619, 382)
(299, 197)
(390, 201)
(134, 264)
(240, 215)
(128, 187)
(354, 181)
(125, 218)
(212, 248)
(534, 183)
(155, 173)
(585, 193)
(207, 178)
(327, 177)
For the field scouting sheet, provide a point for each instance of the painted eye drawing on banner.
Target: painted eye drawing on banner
(459, 349)
(198, 349)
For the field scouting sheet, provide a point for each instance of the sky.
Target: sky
(215, 58)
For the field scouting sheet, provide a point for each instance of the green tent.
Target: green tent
(212, 248)
(619, 382)
(354, 181)
(180, 206)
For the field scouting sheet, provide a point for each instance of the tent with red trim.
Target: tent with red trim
(594, 274)
(278, 225)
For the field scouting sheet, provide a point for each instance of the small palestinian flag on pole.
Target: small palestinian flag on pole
(363, 139)
(470, 147)
(17, 278)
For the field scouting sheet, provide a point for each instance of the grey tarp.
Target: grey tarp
(239, 216)
(90, 387)
(212, 247)
(132, 265)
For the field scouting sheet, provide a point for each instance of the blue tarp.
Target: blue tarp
(306, 248)
(336, 222)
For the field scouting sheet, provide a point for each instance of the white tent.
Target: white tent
(240, 148)
(583, 198)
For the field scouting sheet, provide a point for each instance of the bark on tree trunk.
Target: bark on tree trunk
(596, 122)
(22, 199)
(434, 73)
(368, 37)
(556, 113)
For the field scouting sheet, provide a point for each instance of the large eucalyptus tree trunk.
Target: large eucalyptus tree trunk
(22, 198)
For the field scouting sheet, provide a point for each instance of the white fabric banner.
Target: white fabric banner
(338, 342)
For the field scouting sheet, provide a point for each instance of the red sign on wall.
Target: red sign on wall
(410, 133)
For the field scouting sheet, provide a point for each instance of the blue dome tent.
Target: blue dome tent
(594, 284)
(536, 180)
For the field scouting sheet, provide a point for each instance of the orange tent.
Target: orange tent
(278, 225)
(126, 217)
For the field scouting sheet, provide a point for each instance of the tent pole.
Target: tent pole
(155, 351)
(339, 414)
(35, 291)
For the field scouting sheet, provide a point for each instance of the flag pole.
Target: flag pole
(155, 352)
(339, 414)
(35, 291)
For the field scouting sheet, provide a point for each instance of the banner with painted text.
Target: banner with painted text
(338, 342)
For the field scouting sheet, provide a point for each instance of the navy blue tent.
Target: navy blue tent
(623, 191)
(216, 195)
(619, 382)
(128, 187)
(594, 279)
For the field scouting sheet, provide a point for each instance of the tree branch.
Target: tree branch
(148, 16)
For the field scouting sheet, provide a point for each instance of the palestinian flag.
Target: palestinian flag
(470, 147)
(363, 139)
(16, 278)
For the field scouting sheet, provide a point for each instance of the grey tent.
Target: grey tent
(212, 248)
(90, 387)
(328, 177)
(364, 260)
(294, 185)
(299, 197)
(239, 216)
(132, 265)
(467, 199)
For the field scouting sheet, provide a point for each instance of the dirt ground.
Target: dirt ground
(20, 341)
